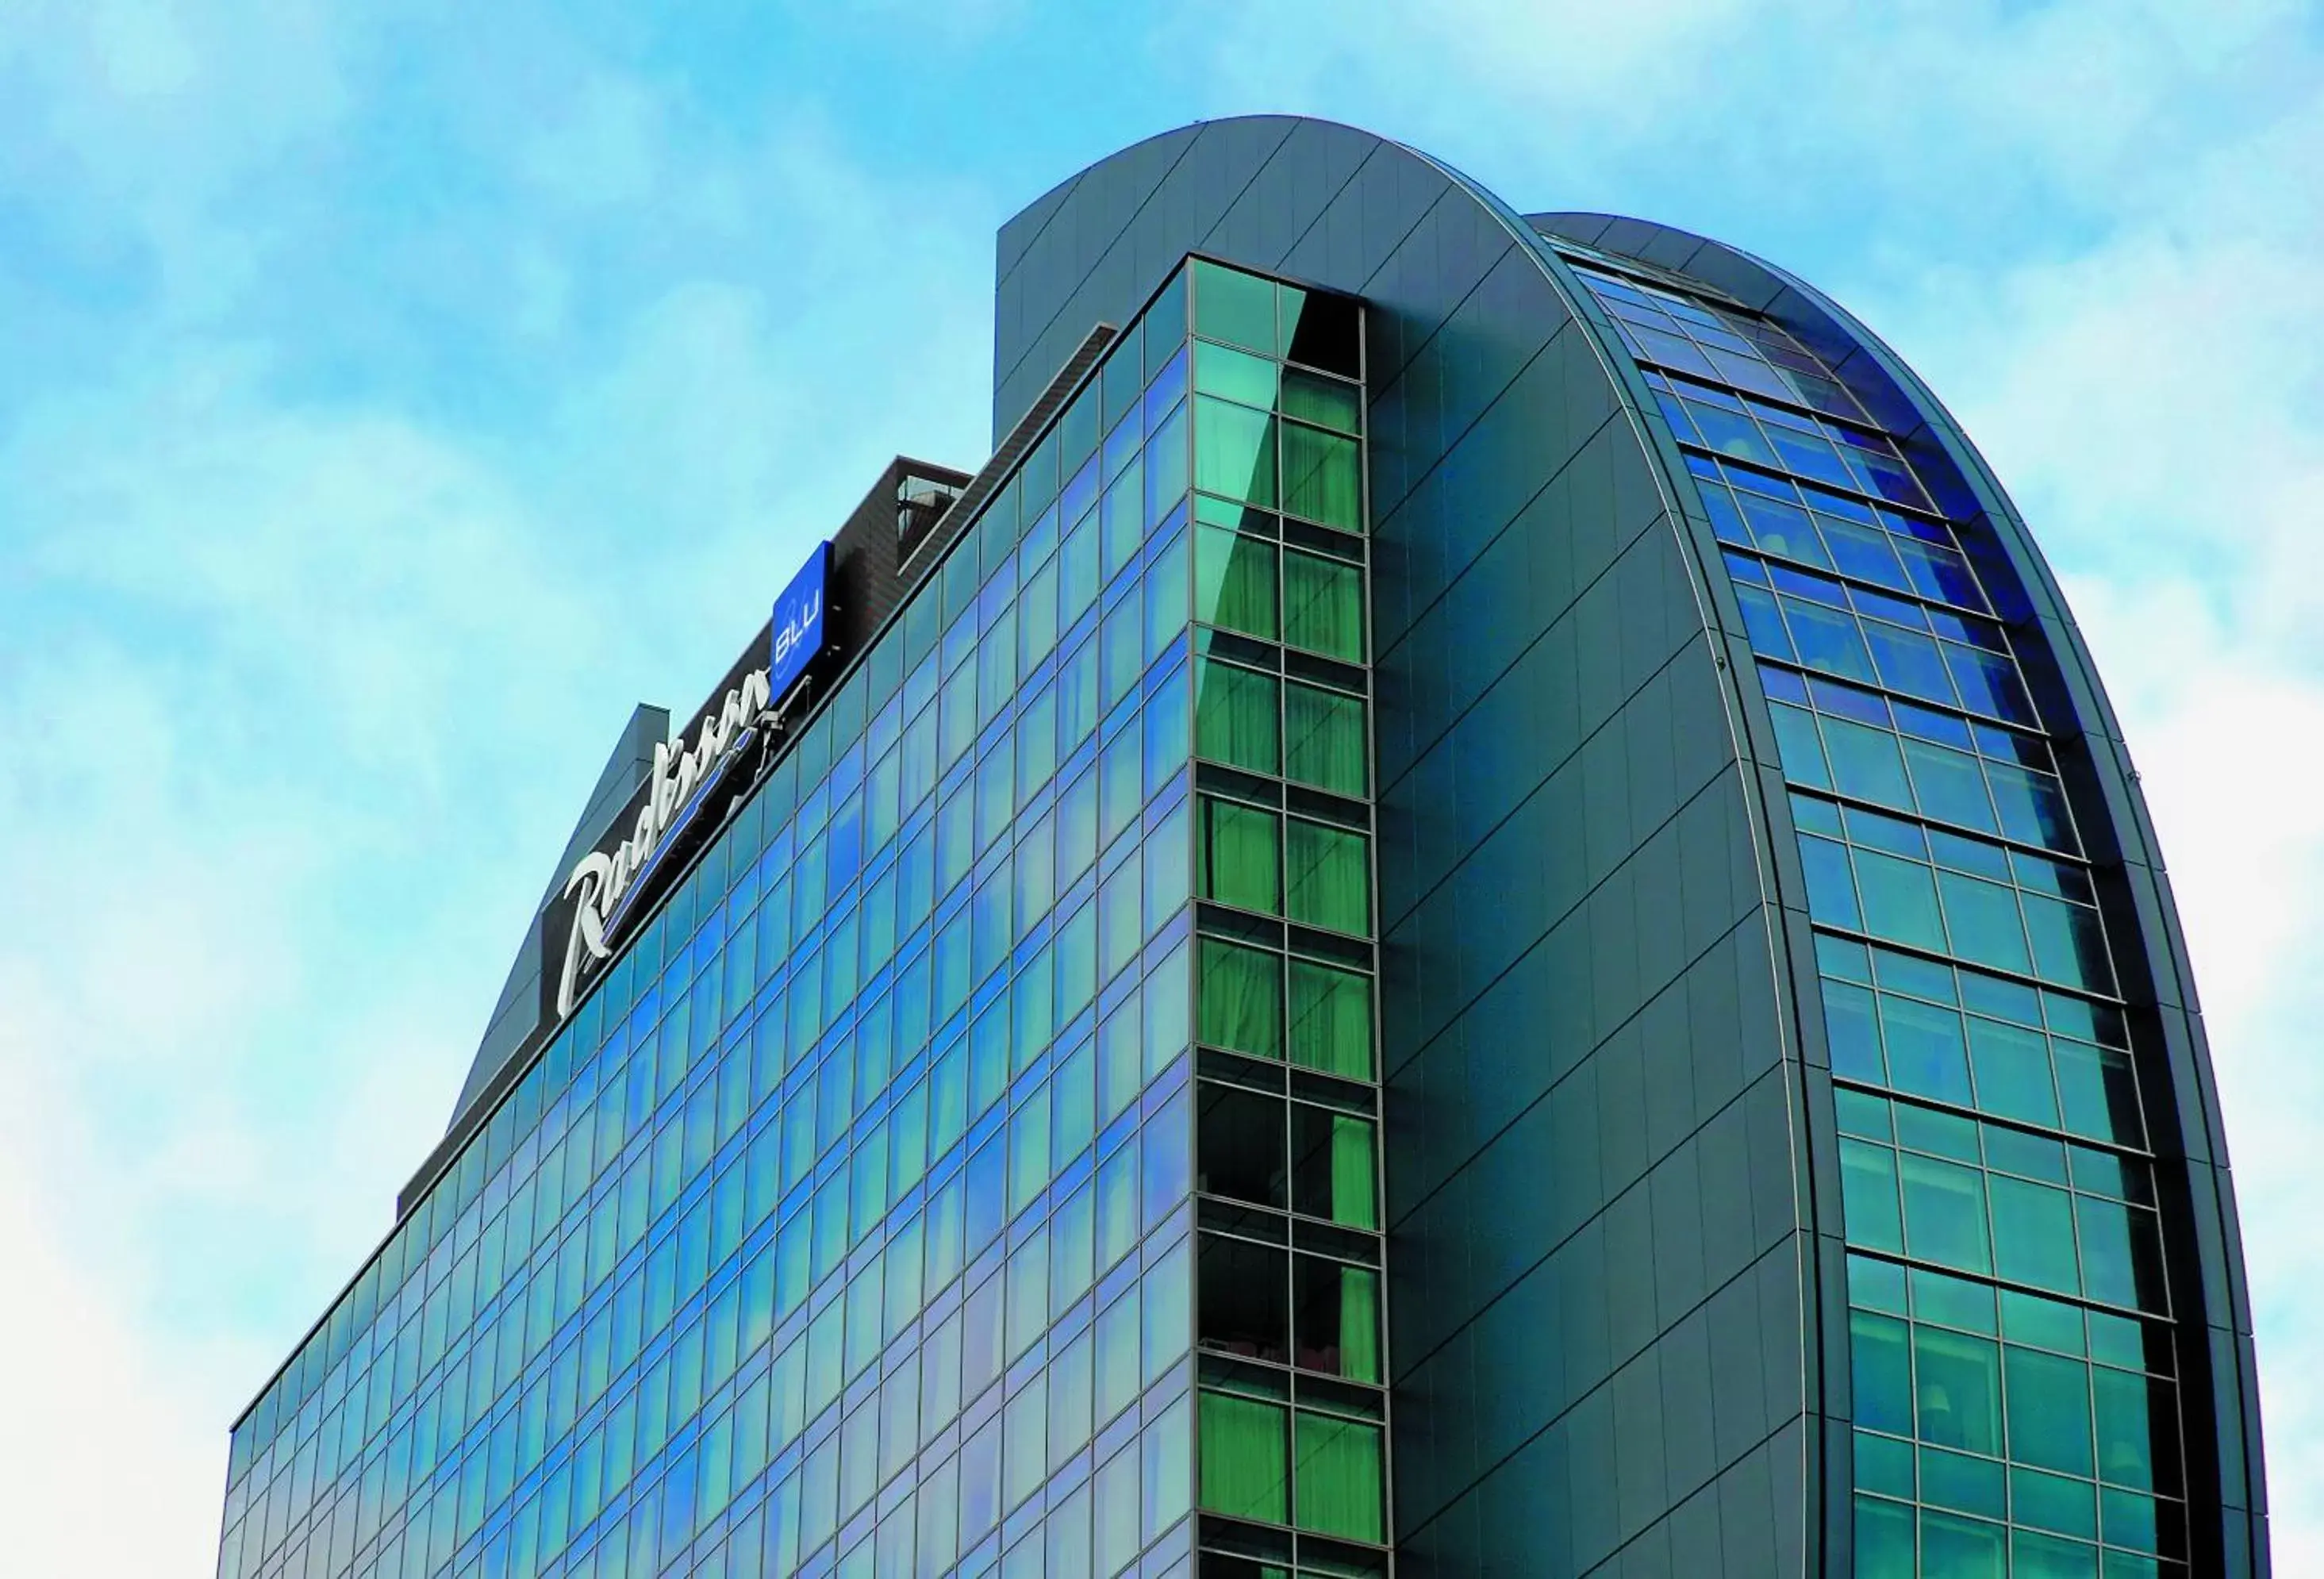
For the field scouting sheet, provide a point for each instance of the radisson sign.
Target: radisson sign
(690, 787)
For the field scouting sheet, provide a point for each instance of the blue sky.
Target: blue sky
(393, 395)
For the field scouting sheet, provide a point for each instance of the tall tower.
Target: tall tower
(1474, 911)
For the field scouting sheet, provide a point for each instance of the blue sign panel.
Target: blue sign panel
(796, 635)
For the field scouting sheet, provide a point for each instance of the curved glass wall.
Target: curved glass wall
(2016, 1412)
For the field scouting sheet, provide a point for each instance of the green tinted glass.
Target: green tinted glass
(1339, 1480)
(1324, 606)
(1235, 581)
(1324, 400)
(1244, 1451)
(1237, 860)
(1331, 1020)
(1323, 738)
(1234, 450)
(1327, 876)
(1322, 476)
(1240, 999)
(1236, 375)
(1238, 717)
(1235, 307)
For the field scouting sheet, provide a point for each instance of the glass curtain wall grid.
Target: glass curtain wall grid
(850, 1225)
(1293, 1410)
(2016, 1410)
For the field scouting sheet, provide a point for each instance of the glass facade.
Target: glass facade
(2012, 1365)
(973, 1166)
(1299, 798)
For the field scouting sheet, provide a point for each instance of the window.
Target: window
(1323, 739)
(1235, 579)
(1244, 1452)
(1237, 716)
(1239, 856)
(1331, 1020)
(1240, 999)
(1322, 605)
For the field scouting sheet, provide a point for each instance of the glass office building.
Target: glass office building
(1474, 912)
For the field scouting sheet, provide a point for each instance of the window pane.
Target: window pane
(1245, 1457)
(1884, 1540)
(1908, 661)
(1325, 401)
(1831, 886)
(1827, 640)
(1799, 748)
(2034, 1234)
(1234, 450)
(1236, 375)
(1864, 764)
(1239, 1135)
(1900, 899)
(1882, 1372)
(1332, 1167)
(1867, 1184)
(1322, 476)
(1944, 1213)
(1244, 1298)
(1956, 1390)
(1322, 605)
(1983, 919)
(1234, 580)
(1323, 738)
(2013, 1071)
(1237, 716)
(1320, 330)
(1331, 1020)
(1238, 857)
(1327, 876)
(1240, 999)
(2048, 1410)
(1234, 306)
(1950, 784)
(1959, 1548)
(1336, 1318)
(1339, 1480)
(1853, 1032)
(1925, 1055)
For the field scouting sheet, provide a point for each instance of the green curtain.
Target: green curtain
(1244, 1470)
(1238, 717)
(1327, 876)
(1239, 862)
(1331, 1020)
(1326, 401)
(1322, 476)
(1337, 1489)
(1240, 999)
(1234, 580)
(1322, 605)
(1323, 738)
(1353, 1173)
(1359, 1356)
